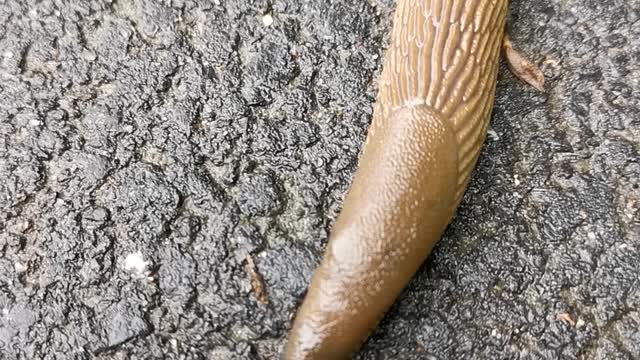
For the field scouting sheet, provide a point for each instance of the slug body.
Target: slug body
(430, 120)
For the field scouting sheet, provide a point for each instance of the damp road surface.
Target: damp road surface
(170, 171)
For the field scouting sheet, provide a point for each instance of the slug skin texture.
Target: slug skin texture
(435, 98)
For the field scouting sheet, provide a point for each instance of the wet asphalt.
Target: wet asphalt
(147, 148)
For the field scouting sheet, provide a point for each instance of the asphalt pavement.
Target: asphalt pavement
(170, 170)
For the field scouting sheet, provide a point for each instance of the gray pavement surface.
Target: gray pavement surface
(148, 147)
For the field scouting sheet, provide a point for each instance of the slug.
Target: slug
(434, 102)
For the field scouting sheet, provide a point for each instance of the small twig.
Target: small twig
(257, 282)
(566, 319)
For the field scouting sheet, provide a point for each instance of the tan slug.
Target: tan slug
(435, 98)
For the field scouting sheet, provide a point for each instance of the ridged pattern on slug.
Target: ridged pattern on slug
(435, 98)
(444, 54)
